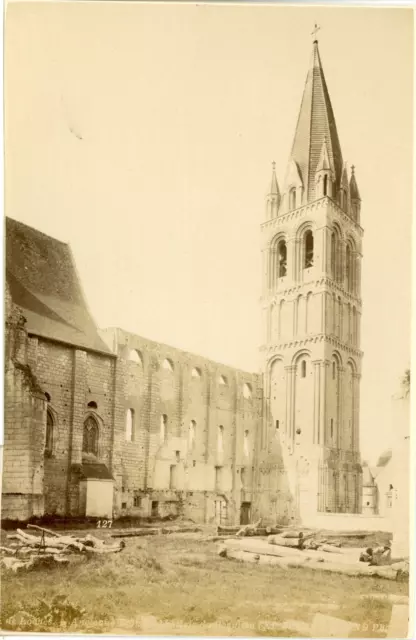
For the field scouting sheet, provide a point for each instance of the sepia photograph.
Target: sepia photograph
(207, 320)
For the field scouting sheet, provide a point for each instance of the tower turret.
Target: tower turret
(273, 197)
(355, 197)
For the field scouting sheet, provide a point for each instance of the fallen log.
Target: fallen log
(169, 530)
(248, 527)
(296, 543)
(296, 561)
(291, 534)
(346, 556)
(137, 533)
(48, 531)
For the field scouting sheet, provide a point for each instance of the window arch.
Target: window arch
(92, 405)
(130, 425)
(292, 199)
(135, 356)
(90, 436)
(163, 427)
(325, 188)
(308, 249)
(50, 423)
(282, 258)
(247, 391)
(222, 380)
(196, 372)
(167, 364)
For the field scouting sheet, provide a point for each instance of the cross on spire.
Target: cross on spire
(315, 31)
(273, 165)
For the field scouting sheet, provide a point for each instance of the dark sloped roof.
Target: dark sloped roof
(95, 471)
(44, 283)
(316, 123)
(92, 471)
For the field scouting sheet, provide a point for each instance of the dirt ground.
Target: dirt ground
(178, 585)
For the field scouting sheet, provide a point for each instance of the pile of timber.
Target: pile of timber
(247, 530)
(293, 552)
(156, 531)
(27, 551)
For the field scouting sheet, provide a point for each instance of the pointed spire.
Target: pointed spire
(274, 188)
(316, 123)
(354, 192)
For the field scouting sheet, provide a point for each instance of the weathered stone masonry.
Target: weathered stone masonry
(107, 423)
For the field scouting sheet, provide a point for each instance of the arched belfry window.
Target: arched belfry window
(90, 436)
(303, 369)
(292, 199)
(308, 249)
(333, 254)
(49, 433)
(325, 186)
(348, 267)
(282, 258)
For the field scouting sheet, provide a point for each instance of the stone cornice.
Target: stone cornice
(316, 339)
(311, 208)
(323, 283)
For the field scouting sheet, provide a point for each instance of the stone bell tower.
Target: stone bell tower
(308, 457)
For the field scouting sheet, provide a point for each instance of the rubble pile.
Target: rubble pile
(27, 551)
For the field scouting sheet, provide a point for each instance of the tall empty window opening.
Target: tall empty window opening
(246, 444)
(130, 425)
(135, 356)
(163, 427)
(172, 477)
(49, 434)
(282, 258)
(308, 241)
(218, 478)
(303, 369)
(192, 430)
(325, 185)
(220, 439)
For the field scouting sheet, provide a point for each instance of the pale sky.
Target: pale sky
(143, 135)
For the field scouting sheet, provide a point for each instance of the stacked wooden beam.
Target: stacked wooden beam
(291, 552)
(156, 531)
(27, 551)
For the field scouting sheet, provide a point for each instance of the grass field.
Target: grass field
(177, 584)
